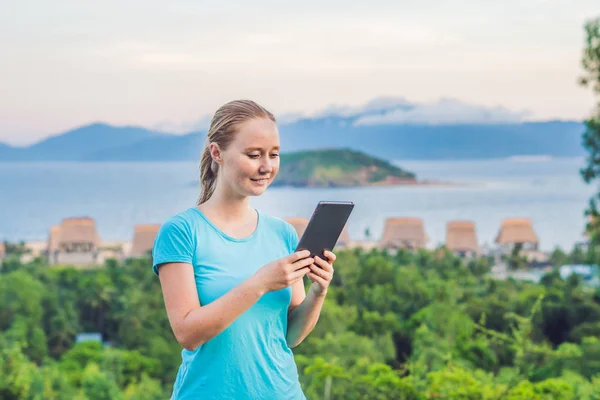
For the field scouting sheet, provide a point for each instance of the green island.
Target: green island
(338, 168)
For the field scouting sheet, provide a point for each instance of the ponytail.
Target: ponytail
(208, 175)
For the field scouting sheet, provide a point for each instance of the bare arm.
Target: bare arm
(303, 317)
(191, 323)
(194, 324)
(304, 309)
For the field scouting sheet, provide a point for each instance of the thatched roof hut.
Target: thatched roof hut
(143, 239)
(74, 234)
(516, 230)
(403, 232)
(461, 236)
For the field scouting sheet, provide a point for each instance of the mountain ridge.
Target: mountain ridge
(426, 142)
(389, 128)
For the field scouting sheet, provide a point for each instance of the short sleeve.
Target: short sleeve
(292, 239)
(173, 243)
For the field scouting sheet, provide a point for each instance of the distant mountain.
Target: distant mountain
(5, 148)
(338, 168)
(10, 153)
(155, 148)
(389, 128)
(81, 143)
(431, 142)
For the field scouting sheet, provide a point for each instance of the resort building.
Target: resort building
(405, 232)
(517, 231)
(74, 242)
(461, 239)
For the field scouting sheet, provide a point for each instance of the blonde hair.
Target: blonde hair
(223, 128)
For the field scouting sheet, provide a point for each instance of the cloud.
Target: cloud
(375, 106)
(399, 110)
(289, 118)
(183, 127)
(443, 111)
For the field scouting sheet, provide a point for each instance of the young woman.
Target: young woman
(232, 283)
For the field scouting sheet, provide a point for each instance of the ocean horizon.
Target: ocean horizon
(548, 191)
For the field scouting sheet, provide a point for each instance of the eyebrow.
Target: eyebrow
(260, 148)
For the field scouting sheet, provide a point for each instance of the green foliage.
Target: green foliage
(16, 249)
(409, 325)
(145, 389)
(458, 383)
(98, 385)
(590, 61)
(516, 260)
(20, 378)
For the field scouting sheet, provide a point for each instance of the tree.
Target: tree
(98, 385)
(145, 389)
(21, 313)
(590, 62)
(517, 261)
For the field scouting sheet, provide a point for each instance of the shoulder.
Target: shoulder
(182, 221)
(175, 240)
(181, 227)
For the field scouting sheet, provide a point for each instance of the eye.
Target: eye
(275, 155)
(254, 156)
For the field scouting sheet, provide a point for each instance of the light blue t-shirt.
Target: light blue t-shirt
(250, 359)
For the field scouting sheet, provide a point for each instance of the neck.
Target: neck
(227, 204)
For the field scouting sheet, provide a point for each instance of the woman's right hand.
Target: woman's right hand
(284, 272)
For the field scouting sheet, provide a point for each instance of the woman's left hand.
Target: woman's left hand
(322, 273)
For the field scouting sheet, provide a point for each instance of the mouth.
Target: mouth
(260, 181)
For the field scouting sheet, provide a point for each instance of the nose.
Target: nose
(266, 167)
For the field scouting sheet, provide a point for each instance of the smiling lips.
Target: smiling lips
(260, 181)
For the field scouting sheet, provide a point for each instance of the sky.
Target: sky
(169, 65)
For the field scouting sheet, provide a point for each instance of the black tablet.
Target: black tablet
(325, 227)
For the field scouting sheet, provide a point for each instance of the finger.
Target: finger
(296, 280)
(322, 273)
(315, 278)
(298, 255)
(323, 264)
(299, 273)
(320, 262)
(331, 256)
(303, 263)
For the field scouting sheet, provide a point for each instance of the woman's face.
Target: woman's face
(251, 161)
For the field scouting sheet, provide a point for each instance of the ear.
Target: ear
(215, 152)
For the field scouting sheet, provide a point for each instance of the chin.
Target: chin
(253, 190)
(257, 191)
(250, 191)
